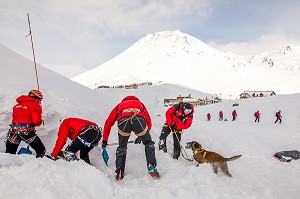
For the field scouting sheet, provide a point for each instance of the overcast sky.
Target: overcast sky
(72, 36)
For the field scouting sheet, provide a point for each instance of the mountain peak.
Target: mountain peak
(285, 49)
(175, 39)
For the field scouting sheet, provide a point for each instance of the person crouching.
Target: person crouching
(85, 135)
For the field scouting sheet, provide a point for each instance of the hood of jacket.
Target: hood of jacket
(24, 98)
(131, 97)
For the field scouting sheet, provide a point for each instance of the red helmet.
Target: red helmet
(36, 94)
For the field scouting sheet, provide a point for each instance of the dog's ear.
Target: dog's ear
(196, 144)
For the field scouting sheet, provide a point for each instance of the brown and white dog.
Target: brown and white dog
(216, 160)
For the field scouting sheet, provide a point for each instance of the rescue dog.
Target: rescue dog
(215, 159)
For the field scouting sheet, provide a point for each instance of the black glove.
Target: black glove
(51, 157)
(104, 144)
(173, 128)
(137, 140)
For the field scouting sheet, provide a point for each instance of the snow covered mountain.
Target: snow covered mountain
(287, 58)
(176, 57)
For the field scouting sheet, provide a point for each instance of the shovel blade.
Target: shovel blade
(105, 156)
(25, 151)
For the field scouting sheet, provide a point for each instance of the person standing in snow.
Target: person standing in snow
(178, 118)
(208, 116)
(131, 115)
(234, 115)
(85, 135)
(278, 117)
(221, 116)
(27, 114)
(257, 116)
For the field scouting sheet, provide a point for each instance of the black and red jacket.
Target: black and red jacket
(27, 111)
(234, 113)
(69, 128)
(175, 116)
(129, 102)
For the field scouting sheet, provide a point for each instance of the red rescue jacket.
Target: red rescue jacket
(234, 113)
(129, 102)
(71, 128)
(27, 111)
(278, 114)
(175, 116)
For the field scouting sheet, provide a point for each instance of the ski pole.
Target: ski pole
(36, 74)
(116, 143)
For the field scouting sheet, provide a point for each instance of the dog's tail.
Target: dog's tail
(233, 158)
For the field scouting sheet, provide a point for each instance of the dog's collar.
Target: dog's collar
(198, 151)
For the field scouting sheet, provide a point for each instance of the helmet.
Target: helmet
(187, 108)
(36, 94)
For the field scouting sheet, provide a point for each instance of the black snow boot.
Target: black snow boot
(162, 145)
(176, 154)
(120, 174)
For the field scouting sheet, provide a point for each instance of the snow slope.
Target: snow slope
(255, 175)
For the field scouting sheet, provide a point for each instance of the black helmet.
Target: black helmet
(187, 108)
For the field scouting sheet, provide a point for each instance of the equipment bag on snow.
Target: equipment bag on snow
(287, 156)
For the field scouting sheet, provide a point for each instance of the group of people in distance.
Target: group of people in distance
(277, 115)
(130, 114)
(256, 115)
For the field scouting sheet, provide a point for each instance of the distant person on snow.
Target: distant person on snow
(27, 114)
(234, 115)
(257, 116)
(278, 117)
(221, 116)
(178, 118)
(131, 115)
(208, 116)
(84, 134)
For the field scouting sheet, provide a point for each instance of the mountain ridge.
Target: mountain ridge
(176, 57)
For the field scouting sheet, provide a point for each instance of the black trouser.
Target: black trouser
(176, 136)
(137, 125)
(92, 137)
(233, 118)
(278, 118)
(31, 139)
(256, 119)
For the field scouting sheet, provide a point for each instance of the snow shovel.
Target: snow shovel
(25, 151)
(105, 156)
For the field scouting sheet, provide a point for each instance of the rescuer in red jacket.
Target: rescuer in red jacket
(234, 115)
(178, 118)
(131, 115)
(27, 114)
(84, 134)
(278, 117)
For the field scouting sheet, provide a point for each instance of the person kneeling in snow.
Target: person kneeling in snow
(85, 135)
(131, 115)
(27, 114)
